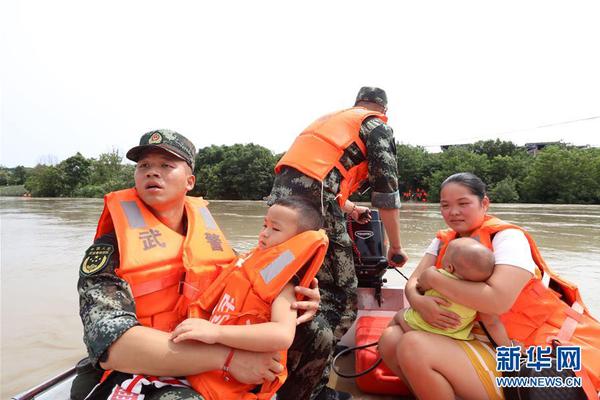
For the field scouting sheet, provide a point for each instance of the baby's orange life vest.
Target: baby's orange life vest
(318, 149)
(166, 271)
(548, 309)
(243, 294)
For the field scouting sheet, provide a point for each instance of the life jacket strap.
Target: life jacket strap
(574, 315)
(587, 384)
(546, 279)
(154, 285)
(188, 290)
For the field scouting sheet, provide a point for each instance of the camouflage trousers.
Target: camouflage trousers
(309, 357)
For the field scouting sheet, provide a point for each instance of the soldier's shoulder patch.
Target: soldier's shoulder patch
(96, 258)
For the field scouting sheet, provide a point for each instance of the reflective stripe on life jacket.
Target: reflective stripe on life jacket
(318, 149)
(155, 260)
(243, 294)
(544, 314)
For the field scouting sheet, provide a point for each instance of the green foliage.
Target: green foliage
(4, 176)
(494, 148)
(557, 174)
(453, 160)
(76, 173)
(415, 164)
(78, 176)
(13, 176)
(14, 190)
(560, 174)
(504, 191)
(46, 181)
(19, 175)
(238, 172)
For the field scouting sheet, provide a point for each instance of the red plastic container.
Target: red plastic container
(381, 380)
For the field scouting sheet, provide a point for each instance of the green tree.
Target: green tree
(5, 176)
(415, 165)
(562, 174)
(19, 175)
(451, 161)
(502, 167)
(46, 181)
(504, 191)
(238, 172)
(106, 168)
(494, 148)
(76, 172)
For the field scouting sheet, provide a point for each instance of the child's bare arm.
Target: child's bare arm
(495, 328)
(269, 336)
(265, 337)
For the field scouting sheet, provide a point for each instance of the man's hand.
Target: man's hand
(361, 214)
(396, 256)
(255, 368)
(310, 305)
(196, 329)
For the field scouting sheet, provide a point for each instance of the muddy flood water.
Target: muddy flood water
(43, 242)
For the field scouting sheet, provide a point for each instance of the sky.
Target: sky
(92, 76)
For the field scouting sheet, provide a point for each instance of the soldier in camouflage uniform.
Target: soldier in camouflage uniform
(112, 333)
(308, 370)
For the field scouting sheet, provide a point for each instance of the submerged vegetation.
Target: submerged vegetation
(558, 173)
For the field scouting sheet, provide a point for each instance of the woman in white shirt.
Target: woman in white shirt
(436, 366)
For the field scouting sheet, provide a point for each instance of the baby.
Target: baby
(466, 259)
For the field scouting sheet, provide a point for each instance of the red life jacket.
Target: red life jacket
(548, 308)
(320, 146)
(243, 294)
(165, 270)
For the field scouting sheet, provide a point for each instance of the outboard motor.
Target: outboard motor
(370, 262)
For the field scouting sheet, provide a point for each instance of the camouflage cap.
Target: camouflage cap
(372, 95)
(167, 140)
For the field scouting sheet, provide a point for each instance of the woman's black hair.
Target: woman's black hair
(468, 180)
(309, 216)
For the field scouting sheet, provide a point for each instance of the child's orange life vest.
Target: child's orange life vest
(548, 309)
(318, 149)
(243, 294)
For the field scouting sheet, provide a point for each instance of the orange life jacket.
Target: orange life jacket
(166, 271)
(320, 146)
(243, 295)
(548, 309)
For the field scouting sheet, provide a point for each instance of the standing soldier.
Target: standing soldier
(327, 163)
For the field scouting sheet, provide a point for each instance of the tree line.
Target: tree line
(557, 174)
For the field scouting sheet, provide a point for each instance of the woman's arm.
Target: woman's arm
(278, 334)
(495, 296)
(427, 306)
(495, 328)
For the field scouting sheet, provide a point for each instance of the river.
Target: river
(43, 242)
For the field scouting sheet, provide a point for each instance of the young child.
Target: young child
(465, 259)
(251, 300)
